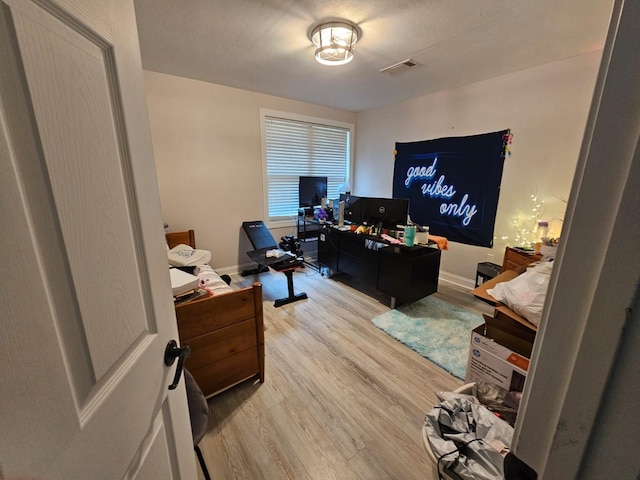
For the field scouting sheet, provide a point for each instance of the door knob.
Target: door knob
(172, 352)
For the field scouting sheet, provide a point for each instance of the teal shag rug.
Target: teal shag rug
(436, 329)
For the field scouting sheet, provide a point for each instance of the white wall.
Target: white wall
(546, 109)
(206, 141)
(207, 145)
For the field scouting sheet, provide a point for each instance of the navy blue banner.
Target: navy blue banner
(453, 184)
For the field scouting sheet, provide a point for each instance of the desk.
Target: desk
(307, 228)
(378, 269)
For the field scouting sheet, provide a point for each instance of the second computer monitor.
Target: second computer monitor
(352, 208)
(388, 213)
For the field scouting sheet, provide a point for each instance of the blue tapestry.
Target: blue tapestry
(453, 184)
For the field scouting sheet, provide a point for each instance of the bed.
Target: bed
(225, 332)
(188, 237)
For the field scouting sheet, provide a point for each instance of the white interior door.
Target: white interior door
(85, 300)
(570, 425)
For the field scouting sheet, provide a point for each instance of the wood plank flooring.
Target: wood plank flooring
(341, 399)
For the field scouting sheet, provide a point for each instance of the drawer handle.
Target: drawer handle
(172, 352)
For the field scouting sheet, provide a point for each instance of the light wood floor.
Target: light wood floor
(341, 399)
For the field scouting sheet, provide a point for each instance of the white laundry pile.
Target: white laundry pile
(526, 293)
(210, 280)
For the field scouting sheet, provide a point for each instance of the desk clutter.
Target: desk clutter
(398, 237)
(390, 236)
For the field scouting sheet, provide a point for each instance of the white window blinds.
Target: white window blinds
(296, 148)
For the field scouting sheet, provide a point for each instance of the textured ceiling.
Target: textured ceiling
(263, 45)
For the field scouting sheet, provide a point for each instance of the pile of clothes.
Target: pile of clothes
(468, 438)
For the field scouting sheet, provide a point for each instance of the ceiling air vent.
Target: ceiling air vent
(399, 67)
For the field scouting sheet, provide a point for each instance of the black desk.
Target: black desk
(375, 267)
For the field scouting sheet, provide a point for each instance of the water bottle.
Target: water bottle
(409, 235)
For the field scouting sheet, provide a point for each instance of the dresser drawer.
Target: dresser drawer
(513, 259)
(226, 335)
(196, 318)
(222, 343)
(220, 375)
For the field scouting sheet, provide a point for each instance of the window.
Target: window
(297, 146)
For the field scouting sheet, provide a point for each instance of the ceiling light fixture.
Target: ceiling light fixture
(334, 42)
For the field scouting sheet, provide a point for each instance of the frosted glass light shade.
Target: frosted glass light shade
(334, 42)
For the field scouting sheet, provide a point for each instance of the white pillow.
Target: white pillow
(185, 256)
(182, 282)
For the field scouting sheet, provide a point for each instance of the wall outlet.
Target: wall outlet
(489, 257)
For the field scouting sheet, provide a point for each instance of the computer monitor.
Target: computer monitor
(311, 191)
(352, 208)
(385, 212)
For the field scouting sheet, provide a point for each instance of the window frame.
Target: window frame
(264, 113)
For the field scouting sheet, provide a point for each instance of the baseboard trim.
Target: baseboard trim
(456, 280)
(235, 269)
(444, 277)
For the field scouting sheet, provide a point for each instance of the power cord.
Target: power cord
(462, 449)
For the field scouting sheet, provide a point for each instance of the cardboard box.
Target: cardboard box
(509, 334)
(500, 348)
(492, 358)
(502, 310)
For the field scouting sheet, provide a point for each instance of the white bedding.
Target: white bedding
(209, 280)
(203, 277)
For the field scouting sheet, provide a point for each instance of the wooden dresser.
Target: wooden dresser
(514, 258)
(226, 336)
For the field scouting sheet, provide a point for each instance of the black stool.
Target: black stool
(288, 271)
(487, 271)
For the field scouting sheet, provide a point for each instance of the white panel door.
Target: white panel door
(85, 299)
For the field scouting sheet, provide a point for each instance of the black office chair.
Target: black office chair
(262, 242)
(199, 416)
